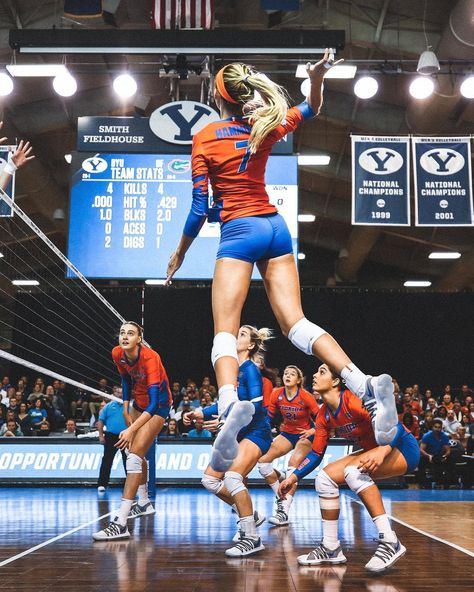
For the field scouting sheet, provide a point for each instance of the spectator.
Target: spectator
(14, 406)
(171, 431)
(36, 394)
(111, 418)
(410, 421)
(80, 401)
(451, 425)
(431, 405)
(471, 412)
(457, 411)
(207, 386)
(37, 415)
(10, 430)
(199, 431)
(71, 429)
(426, 424)
(5, 384)
(441, 412)
(467, 402)
(6, 397)
(435, 451)
(44, 429)
(447, 400)
(416, 394)
(176, 394)
(410, 405)
(3, 414)
(24, 419)
(466, 392)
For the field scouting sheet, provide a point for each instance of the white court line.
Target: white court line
(49, 541)
(423, 532)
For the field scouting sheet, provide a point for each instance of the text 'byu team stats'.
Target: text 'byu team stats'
(127, 213)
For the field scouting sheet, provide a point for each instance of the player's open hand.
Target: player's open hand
(212, 424)
(285, 486)
(319, 69)
(22, 154)
(175, 262)
(4, 139)
(125, 439)
(371, 460)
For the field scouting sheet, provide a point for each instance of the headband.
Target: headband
(219, 81)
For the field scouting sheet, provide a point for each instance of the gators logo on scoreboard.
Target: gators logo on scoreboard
(179, 165)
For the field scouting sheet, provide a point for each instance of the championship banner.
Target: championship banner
(443, 181)
(380, 181)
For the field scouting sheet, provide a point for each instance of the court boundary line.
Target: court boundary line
(423, 532)
(53, 540)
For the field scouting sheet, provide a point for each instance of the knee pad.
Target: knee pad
(325, 486)
(224, 344)
(303, 334)
(134, 463)
(356, 480)
(265, 469)
(212, 484)
(234, 482)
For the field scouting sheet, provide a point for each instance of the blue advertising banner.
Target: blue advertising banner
(443, 181)
(32, 460)
(380, 181)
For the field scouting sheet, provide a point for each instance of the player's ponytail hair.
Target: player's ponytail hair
(263, 102)
(298, 372)
(258, 338)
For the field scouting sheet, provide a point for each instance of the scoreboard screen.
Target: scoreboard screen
(127, 213)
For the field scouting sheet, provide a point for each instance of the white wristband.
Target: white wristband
(10, 167)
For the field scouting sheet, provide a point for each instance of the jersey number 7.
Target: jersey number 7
(245, 158)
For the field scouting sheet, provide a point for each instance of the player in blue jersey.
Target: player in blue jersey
(231, 155)
(254, 440)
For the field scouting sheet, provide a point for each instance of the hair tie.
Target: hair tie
(246, 77)
(219, 81)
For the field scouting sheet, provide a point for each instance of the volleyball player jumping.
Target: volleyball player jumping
(232, 154)
(345, 413)
(146, 404)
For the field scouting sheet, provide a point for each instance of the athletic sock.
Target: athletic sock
(143, 498)
(227, 396)
(123, 512)
(247, 524)
(287, 503)
(355, 379)
(330, 534)
(275, 487)
(385, 529)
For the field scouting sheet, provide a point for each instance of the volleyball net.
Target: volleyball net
(59, 326)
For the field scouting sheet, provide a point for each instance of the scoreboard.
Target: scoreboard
(127, 213)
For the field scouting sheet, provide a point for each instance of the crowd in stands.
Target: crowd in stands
(442, 422)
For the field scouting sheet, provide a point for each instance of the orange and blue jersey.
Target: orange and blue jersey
(145, 380)
(352, 421)
(298, 412)
(220, 156)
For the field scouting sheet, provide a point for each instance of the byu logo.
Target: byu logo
(442, 161)
(178, 122)
(94, 164)
(381, 161)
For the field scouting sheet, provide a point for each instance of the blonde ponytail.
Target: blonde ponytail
(263, 102)
(258, 337)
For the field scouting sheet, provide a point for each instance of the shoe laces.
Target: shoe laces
(319, 553)
(245, 543)
(385, 551)
(113, 529)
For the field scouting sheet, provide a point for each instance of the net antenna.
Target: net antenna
(64, 328)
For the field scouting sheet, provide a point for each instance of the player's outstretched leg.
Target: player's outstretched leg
(225, 447)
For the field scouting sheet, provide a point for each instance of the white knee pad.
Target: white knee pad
(356, 480)
(234, 482)
(265, 469)
(224, 344)
(325, 486)
(134, 463)
(212, 484)
(303, 334)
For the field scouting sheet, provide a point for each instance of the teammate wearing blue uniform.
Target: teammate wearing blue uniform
(231, 155)
(254, 440)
